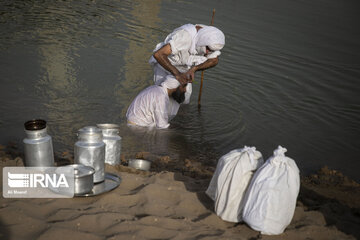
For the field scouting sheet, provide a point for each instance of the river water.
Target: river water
(288, 75)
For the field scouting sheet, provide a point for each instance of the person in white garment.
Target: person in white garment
(187, 49)
(151, 107)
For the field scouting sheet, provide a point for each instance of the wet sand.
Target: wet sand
(172, 205)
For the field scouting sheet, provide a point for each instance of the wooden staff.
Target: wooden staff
(202, 72)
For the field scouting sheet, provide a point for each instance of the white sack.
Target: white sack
(271, 196)
(230, 181)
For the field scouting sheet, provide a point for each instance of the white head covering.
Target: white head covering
(209, 36)
(170, 82)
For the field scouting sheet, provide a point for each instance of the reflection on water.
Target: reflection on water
(59, 86)
(288, 75)
(155, 141)
(58, 82)
(136, 70)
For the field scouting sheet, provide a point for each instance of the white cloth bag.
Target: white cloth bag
(272, 193)
(230, 181)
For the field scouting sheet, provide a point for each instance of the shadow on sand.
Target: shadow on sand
(343, 217)
(4, 231)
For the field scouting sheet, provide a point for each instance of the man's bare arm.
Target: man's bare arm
(212, 62)
(161, 57)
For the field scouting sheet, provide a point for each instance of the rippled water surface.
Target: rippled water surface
(288, 75)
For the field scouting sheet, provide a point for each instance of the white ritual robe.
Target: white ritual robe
(180, 41)
(150, 108)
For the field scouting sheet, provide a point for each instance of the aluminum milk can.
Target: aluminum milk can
(112, 142)
(89, 150)
(38, 146)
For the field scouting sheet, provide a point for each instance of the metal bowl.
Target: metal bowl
(82, 175)
(140, 164)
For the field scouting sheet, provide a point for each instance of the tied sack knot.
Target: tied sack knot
(251, 153)
(279, 155)
(280, 151)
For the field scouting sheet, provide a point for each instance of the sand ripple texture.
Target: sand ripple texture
(145, 206)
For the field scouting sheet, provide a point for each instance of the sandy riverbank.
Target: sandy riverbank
(173, 205)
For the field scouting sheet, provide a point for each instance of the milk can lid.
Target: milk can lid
(90, 130)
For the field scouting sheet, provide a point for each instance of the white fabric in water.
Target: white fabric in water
(271, 197)
(230, 181)
(150, 108)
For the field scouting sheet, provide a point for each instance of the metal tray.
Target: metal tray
(111, 182)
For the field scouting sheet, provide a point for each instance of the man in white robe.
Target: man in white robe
(151, 107)
(187, 49)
